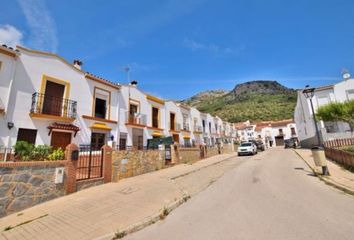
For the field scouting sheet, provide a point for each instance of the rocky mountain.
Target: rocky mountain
(259, 100)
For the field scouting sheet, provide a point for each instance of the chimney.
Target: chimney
(133, 83)
(77, 64)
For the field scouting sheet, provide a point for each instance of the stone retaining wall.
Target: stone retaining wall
(132, 163)
(25, 184)
(341, 157)
(189, 155)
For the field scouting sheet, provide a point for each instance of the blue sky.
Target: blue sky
(176, 48)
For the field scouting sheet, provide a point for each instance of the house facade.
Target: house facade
(54, 102)
(340, 92)
(274, 133)
(44, 99)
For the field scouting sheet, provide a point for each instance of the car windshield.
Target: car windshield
(246, 144)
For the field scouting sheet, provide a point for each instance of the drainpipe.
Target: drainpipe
(14, 67)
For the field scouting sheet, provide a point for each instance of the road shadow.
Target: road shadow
(309, 173)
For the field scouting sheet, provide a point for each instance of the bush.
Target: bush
(23, 150)
(57, 154)
(349, 149)
(40, 152)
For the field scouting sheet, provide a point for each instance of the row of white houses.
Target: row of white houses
(271, 133)
(46, 100)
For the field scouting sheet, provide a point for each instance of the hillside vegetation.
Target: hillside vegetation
(255, 101)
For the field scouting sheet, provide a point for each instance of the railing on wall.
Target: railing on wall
(339, 143)
(90, 163)
(135, 118)
(46, 104)
(6, 154)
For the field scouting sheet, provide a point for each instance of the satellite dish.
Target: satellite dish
(346, 76)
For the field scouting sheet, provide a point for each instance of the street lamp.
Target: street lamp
(309, 94)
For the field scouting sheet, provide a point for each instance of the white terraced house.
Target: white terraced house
(339, 92)
(174, 121)
(274, 133)
(50, 101)
(44, 99)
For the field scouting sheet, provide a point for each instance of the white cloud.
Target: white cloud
(211, 47)
(42, 27)
(10, 35)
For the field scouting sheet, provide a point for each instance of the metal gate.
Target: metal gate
(90, 163)
(168, 153)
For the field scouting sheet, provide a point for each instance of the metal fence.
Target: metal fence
(90, 163)
(339, 143)
(6, 154)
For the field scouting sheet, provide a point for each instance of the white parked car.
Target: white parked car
(247, 148)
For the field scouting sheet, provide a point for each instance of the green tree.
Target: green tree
(337, 111)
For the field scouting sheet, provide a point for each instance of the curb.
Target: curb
(198, 169)
(147, 221)
(325, 180)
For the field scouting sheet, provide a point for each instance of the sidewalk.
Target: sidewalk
(339, 177)
(129, 205)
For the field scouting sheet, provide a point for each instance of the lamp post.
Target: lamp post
(309, 94)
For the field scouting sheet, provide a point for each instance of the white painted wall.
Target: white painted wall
(29, 71)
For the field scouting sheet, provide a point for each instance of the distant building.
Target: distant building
(274, 133)
(303, 115)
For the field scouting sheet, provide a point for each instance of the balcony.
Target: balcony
(135, 119)
(46, 106)
(185, 127)
(175, 127)
(198, 129)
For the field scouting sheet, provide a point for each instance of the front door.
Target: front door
(138, 139)
(175, 138)
(60, 140)
(98, 140)
(53, 98)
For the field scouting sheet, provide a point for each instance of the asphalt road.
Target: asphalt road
(272, 195)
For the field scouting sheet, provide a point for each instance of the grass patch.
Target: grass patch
(119, 234)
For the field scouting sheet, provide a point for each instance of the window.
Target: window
(350, 94)
(209, 127)
(323, 100)
(280, 132)
(100, 108)
(102, 103)
(203, 122)
(27, 135)
(172, 121)
(293, 132)
(331, 127)
(155, 117)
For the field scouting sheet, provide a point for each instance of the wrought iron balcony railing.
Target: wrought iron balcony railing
(46, 104)
(185, 127)
(135, 118)
(198, 128)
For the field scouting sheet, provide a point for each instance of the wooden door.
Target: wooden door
(98, 140)
(279, 141)
(60, 140)
(138, 139)
(53, 98)
(176, 138)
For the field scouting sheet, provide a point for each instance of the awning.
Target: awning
(156, 134)
(187, 137)
(63, 126)
(100, 126)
